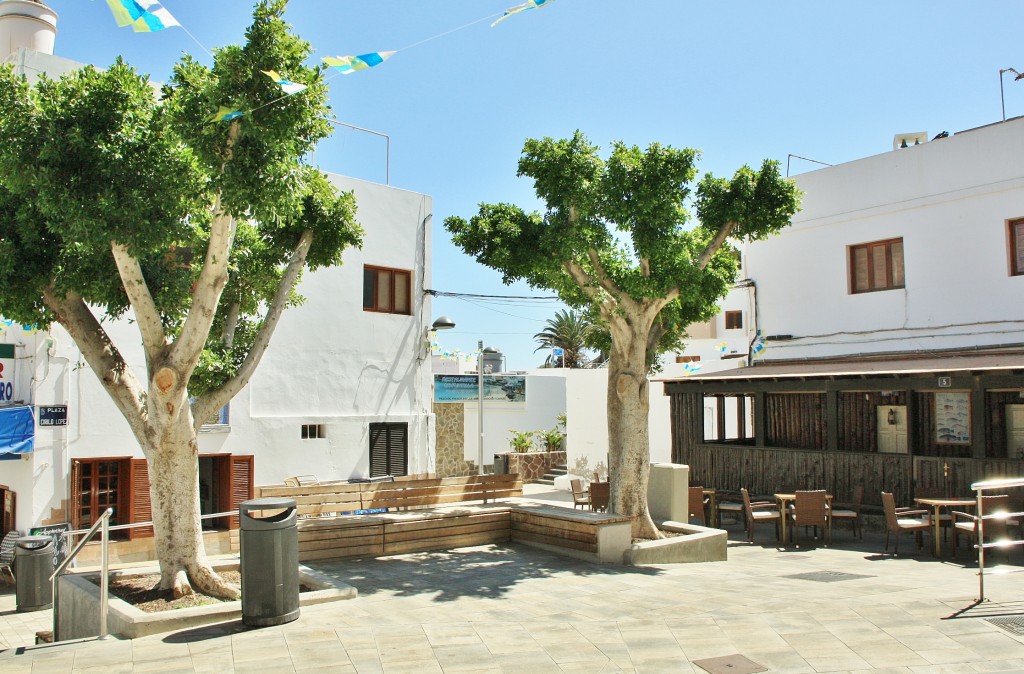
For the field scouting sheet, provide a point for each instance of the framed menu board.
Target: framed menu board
(953, 418)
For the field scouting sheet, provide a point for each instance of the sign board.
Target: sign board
(462, 388)
(7, 383)
(557, 351)
(53, 415)
(953, 418)
(60, 541)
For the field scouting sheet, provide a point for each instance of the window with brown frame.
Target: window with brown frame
(1017, 247)
(733, 320)
(98, 484)
(387, 290)
(876, 266)
(687, 359)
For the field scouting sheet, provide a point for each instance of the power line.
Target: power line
(442, 293)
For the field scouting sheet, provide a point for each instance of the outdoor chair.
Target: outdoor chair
(810, 509)
(905, 520)
(966, 525)
(850, 512)
(698, 505)
(7, 552)
(580, 497)
(759, 511)
(600, 493)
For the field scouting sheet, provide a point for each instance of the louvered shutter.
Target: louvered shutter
(398, 449)
(241, 482)
(140, 507)
(75, 503)
(378, 450)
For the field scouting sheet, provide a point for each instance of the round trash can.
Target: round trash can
(269, 561)
(33, 564)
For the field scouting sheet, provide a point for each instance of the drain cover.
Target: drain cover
(730, 664)
(1014, 625)
(827, 576)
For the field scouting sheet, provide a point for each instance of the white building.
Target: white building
(344, 390)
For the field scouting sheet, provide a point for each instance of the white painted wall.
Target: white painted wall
(329, 363)
(950, 200)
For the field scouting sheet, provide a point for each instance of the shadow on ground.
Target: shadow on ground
(488, 571)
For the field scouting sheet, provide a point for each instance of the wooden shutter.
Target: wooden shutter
(240, 483)
(140, 507)
(389, 449)
(378, 450)
(74, 504)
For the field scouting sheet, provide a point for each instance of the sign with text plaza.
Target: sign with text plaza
(53, 415)
(462, 388)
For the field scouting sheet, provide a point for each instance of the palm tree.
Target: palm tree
(567, 330)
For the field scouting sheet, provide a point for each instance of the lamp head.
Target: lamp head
(443, 323)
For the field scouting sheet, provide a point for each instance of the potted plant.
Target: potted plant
(551, 440)
(522, 441)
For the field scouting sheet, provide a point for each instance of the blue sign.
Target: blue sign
(461, 388)
(558, 351)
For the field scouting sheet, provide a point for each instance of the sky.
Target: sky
(742, 81)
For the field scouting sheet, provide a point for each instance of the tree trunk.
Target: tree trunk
(628, 434)
(174, 492)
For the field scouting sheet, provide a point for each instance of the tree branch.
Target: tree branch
(102, 356)
(645, 267)
(146, 313)
(582, 279)
(715, 244)
(230, 324)
(206, 405)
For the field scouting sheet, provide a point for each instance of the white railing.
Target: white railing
(102, 523)
(980, 545)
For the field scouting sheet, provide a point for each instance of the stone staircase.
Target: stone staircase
(549, 477)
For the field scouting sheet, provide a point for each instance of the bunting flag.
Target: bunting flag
(224, 114)
(722, 347)
(287, 86)
(144, 16)
(350, 64)
(757, 347)
(690, 368)
(529, 4)
(436, 350)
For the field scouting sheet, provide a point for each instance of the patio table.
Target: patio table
(937, 504)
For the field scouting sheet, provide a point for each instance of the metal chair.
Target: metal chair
(7, 552)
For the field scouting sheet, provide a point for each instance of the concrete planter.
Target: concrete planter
(78, 606)
(531, 466)
(698, 544)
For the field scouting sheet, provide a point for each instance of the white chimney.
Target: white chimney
(26, 24)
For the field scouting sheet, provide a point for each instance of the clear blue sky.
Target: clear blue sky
(742, 81)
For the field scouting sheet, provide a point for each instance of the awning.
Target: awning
(17, 430)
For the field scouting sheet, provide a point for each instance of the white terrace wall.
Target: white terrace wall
(950, 201)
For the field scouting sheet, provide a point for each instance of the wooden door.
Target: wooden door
(1015, 431)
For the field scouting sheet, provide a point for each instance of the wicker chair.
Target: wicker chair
(850, 512)
(600, 493)
(915, 521)
(810, 509)
(7, 552)
(759, 511)
(698, 505)
(580, 497)
(967, 525)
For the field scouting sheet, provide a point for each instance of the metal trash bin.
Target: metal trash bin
(33, 564)
(269, 562)
(500, 464)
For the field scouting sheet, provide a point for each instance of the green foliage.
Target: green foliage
(94, 159)
(625, 223)
(569, 331)
(521, 441)
(551, 439)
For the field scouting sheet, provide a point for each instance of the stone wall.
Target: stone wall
(531, 466)
(451, 441)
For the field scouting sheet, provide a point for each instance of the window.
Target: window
(389, 449)
(387, 290)
(876, 266)
(313, 431)
(1017, 247)
(98, 484)
(733, 320)
(687, 359)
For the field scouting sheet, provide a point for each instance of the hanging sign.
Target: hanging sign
(7, 392)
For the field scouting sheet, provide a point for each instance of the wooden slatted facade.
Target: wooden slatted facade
(820, 430)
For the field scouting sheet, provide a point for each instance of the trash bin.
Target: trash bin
(269, 562)
(500, 464)
(33, 564)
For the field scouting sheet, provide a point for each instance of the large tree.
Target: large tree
(616, 238)
(117, 205)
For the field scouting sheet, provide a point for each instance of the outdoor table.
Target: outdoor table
(716, 518)
(783, 500)
(937, 504)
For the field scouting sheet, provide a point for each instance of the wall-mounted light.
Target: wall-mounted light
(442, 323)
(893, 418)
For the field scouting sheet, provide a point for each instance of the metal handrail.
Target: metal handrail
(981, 545)
(103, 523)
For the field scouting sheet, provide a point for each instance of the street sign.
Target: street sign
(558, 351)
(53, 415)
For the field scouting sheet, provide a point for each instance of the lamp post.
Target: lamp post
(480, 406)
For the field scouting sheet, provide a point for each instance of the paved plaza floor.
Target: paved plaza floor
(514, 609)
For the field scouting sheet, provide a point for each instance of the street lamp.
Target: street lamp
(480, 406)
(1002, 71)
